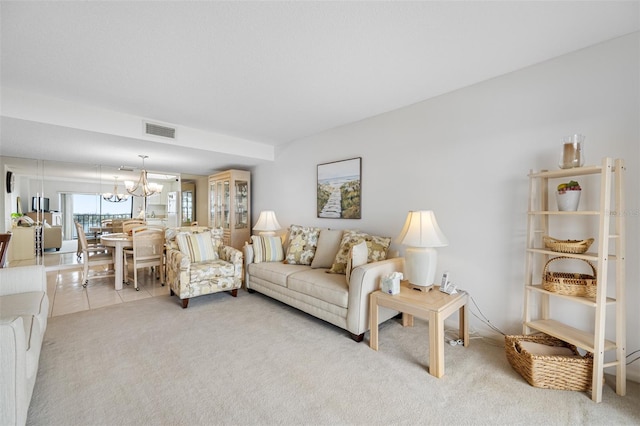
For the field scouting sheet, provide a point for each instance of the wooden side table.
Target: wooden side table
(434, 306)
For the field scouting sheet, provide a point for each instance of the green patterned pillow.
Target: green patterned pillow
(303, 241)
(377, 247)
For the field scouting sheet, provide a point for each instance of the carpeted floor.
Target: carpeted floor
(252, 360)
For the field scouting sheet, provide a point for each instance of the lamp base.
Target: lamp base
(420, 266)
(421, 288)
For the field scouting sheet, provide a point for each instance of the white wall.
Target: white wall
(466, 156)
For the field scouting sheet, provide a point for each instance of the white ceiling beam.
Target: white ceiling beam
(44, 109)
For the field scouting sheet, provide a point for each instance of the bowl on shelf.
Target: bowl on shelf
(568, 196)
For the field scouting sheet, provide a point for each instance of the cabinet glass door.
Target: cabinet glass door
(242, 204)
(226, 200)
(213, 203)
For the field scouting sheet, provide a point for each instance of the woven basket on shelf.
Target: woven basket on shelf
(550, 371)
(569, 283)
(567, 246)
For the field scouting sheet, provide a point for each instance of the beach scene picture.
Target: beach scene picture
(339, 189)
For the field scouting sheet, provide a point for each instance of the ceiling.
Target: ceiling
(238, 80)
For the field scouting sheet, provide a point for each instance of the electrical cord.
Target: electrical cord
(636, 358)
(484, 319)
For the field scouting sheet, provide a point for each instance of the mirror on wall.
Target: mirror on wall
(57, 194)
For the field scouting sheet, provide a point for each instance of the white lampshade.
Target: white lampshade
(421, 234)
(267, 223)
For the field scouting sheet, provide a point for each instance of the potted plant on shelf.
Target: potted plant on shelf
(568, 196)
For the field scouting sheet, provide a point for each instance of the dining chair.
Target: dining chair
(4, 248)
(93, 244)
(148, 251)
(92, 256)
(129, 224)
(116, 226)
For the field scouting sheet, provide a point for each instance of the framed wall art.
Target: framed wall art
(339, 191)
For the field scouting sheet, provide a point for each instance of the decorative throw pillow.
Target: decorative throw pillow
(377, 246)
(303, 241)
(199, 247)
(358, 255)
(328, 245)
(267, 249)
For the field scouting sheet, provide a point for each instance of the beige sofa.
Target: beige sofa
(24, 307)
(52, 238)
(310, 288)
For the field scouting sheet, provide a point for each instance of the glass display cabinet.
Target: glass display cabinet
(230, 205)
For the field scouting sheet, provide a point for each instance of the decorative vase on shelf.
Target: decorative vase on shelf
(572, 154)
(568, 196)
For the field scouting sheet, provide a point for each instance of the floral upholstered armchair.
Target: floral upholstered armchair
(199, 263)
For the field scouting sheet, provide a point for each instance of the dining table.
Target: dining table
(118, 241)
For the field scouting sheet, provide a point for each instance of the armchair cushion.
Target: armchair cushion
(199, 247)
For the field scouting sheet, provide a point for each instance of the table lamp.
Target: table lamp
(421, 234)
(267, 223)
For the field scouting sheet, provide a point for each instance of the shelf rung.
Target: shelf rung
(589, 301)
(569, 334)
(553, 212)
(576, 171)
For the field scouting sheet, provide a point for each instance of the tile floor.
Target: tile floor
(66, 294)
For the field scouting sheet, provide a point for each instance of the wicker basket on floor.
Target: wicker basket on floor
(550, 371)
(569, 283)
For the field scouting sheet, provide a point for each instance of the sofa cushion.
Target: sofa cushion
(331, 288)
(199, 247)
(303, 241)
(275, 272)
(358, 256)
(267, 249)
(203, 271)
(328, 245)
(377, 247)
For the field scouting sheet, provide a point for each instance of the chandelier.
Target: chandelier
(143, 188)
(114, 197)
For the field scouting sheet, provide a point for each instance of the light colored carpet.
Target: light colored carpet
(252, 360)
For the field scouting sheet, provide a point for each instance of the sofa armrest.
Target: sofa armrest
(14, 398)
(22, 279)
(364, 280)
(248, 253)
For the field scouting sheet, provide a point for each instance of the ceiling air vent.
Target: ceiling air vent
(158, 130)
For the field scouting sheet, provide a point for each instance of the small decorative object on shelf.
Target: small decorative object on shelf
(569, 283)
(572, 152)
(568, 196)
(567, 246)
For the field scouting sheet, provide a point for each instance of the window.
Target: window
(91, 209)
